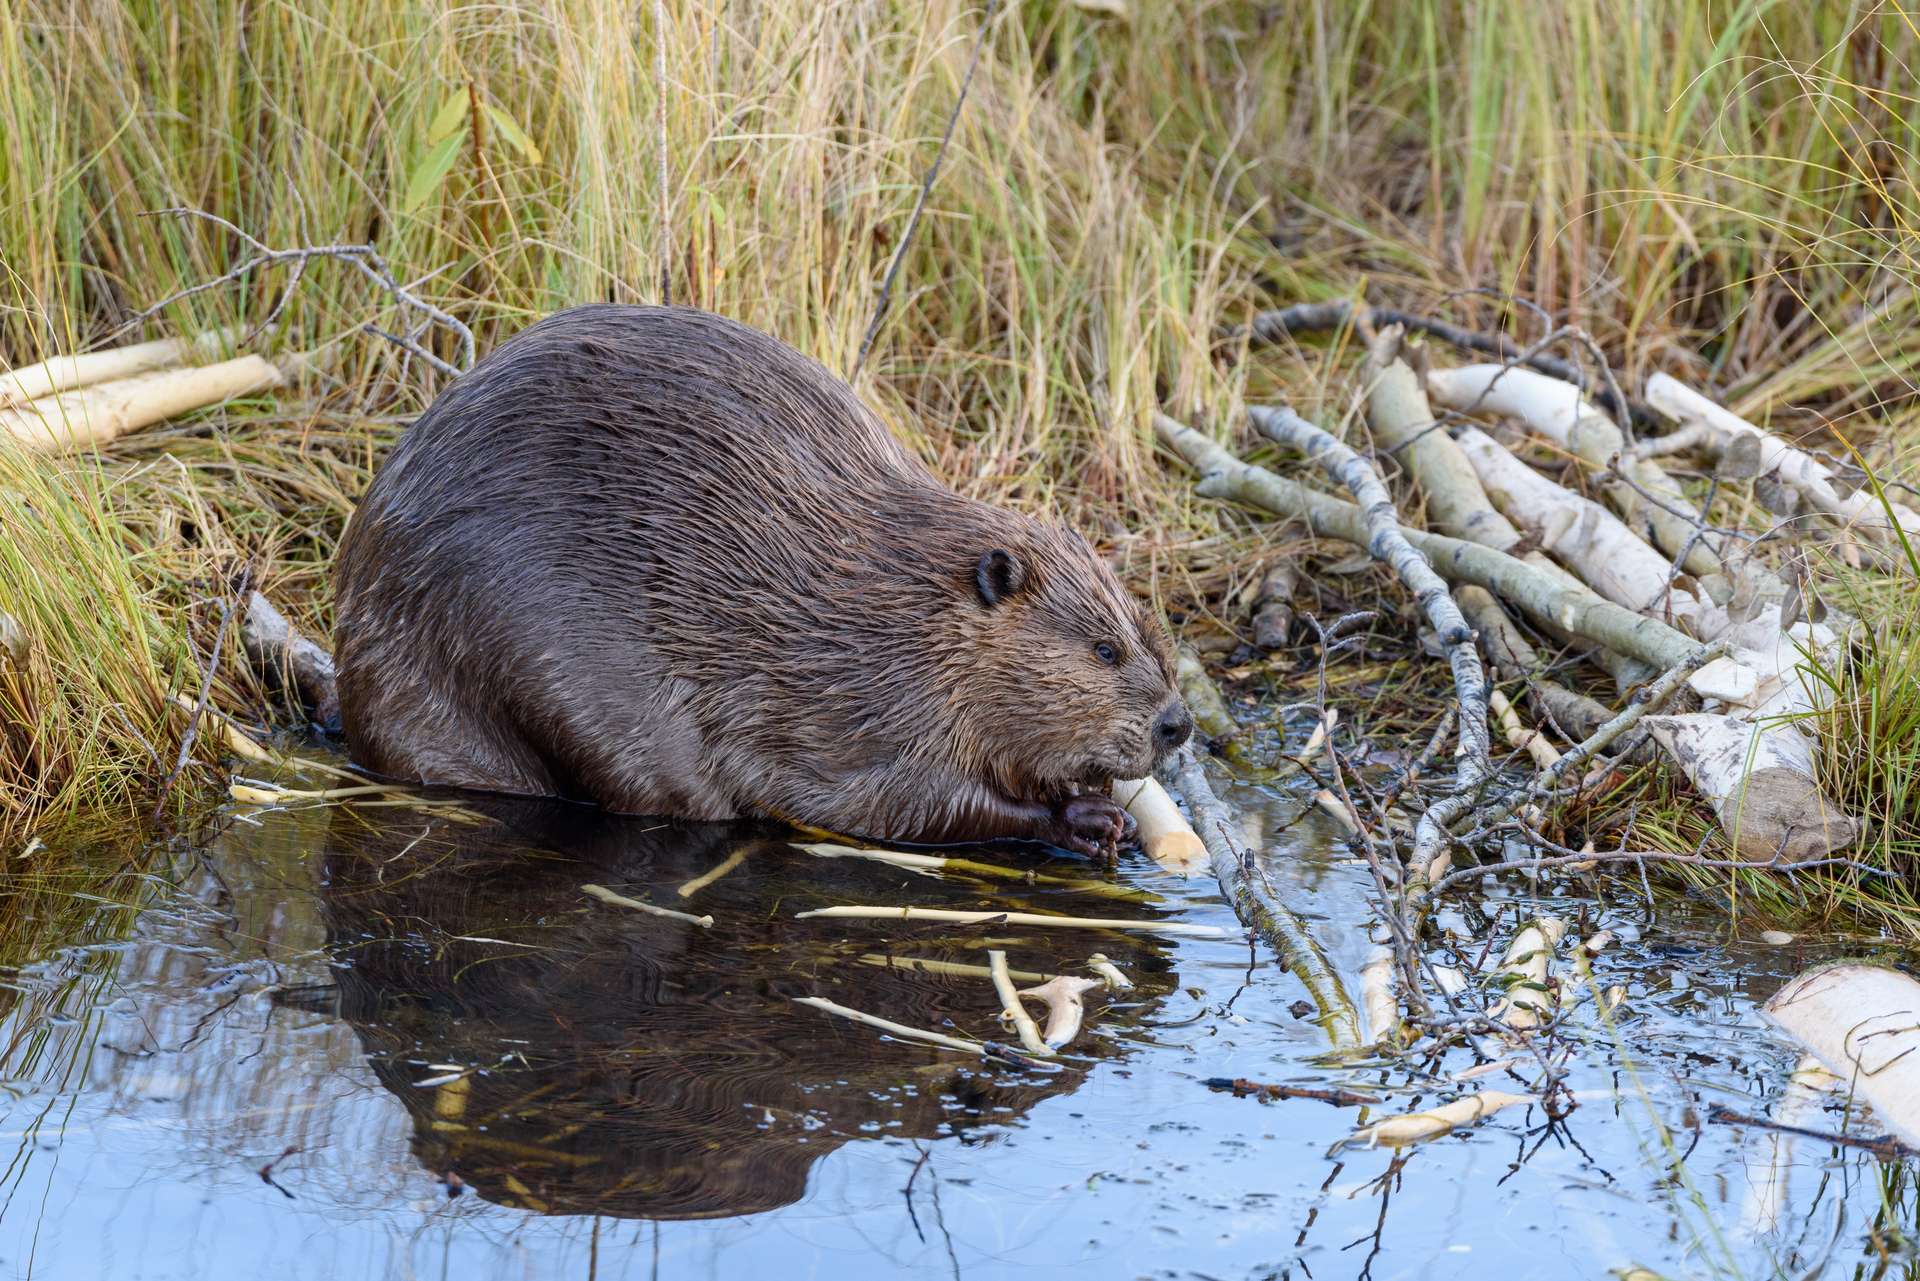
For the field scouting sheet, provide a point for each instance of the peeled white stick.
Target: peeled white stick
(1589, 540)
(1109, 972)
(1378, 1000)
(1165, 834)
(1066, 1008)
(1863, 1023)
(100, 413)
(1530, 741)
(1010, 1007)
(1398, 1131)
(1795, 468)
(889, 1026)
(606, 895)
(1769, 1160)
(1528, 1003)
(1760, 781)
(1557, 411)
(63, 373)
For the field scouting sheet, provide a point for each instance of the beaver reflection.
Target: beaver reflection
(574, 1057)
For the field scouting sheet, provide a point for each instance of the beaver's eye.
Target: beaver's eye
(1106, 653)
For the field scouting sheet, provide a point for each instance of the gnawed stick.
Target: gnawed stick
(981, 1048)
(606, 895)
(1515, 659)
(1759, 777)
(276, 646)
(1109, 973)
(1556, 410)
(1531, 741)
(1259, 910)
(1414, 1127)
(973, 867)
(1010, 1007)
(1165, 835)
(95, 415)
(862, 912)
(1816, 483)
(951, 969)
(1064, 996)
(1527, 967)
(1572, 608)
(1310, 317)
(1387, 542)
(1377, 997)
(713, 873)
(64, 373)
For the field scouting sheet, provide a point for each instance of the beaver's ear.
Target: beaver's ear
(998, 575)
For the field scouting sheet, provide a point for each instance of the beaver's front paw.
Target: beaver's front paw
(1093, 825)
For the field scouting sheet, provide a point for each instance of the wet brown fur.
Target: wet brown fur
(656, 559)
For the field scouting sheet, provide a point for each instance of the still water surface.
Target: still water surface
(381, 1041)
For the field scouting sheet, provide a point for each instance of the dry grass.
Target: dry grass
(1721, 193)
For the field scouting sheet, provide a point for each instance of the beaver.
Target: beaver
(651, 558)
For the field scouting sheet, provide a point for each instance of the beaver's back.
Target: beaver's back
(627, 530)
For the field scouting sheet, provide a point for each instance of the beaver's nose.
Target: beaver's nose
(1171, 727)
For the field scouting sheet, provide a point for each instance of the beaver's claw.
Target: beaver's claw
(1093, 825)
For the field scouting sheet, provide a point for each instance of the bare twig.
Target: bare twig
(1240, 1087)
(365, 258)
(1885, 1146)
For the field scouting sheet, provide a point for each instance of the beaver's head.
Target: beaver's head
(1069, 682)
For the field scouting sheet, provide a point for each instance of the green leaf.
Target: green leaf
(513, 133)
(431, 172)
(447, 119)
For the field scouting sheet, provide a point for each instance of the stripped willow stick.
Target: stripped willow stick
(1010, 1007)
(1387, 542)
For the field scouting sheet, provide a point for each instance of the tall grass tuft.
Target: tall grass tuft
(1720, 190)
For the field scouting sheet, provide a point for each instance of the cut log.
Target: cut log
(1589, 540)
(1761, 783)
(92, 416)
(276, 647)
(1862, 1022)
(1558, 412)
(64, 373)
(1817, 484)
(1554, 601)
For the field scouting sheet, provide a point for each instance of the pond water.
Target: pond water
(400, 1041)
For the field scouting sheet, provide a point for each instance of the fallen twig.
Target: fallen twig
(1241, 1087)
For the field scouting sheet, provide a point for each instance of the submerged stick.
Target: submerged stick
(1415, 1127)
(867, 913)
(970, 867)
(1109, 972)
(952, 969)
(1010, 1007)
(1063, 996)
(1562, 604)
(981, 1048)
(713, 873)
(606, 895)
(1260, 911)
